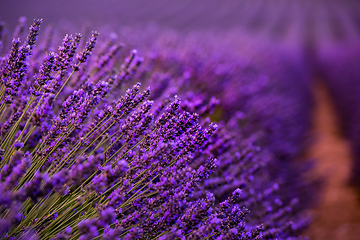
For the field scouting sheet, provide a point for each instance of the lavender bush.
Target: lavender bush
(267, 88)
(81, 157)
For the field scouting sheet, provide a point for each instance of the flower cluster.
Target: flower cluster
(265, 91)
(81, 157)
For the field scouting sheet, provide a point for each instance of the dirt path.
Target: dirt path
(338, 214)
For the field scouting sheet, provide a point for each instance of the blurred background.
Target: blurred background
(321, 38)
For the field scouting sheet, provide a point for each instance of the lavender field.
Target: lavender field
(179, 120)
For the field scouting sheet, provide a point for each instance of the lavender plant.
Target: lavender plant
(265, 100)
(83, 158)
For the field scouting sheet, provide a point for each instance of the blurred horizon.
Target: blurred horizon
(315, 19)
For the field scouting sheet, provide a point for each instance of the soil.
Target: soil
(338, 214)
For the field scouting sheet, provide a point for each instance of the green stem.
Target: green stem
(57, 94)
(29, 119)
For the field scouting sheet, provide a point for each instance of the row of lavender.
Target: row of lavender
(83, 158)
(337, 57)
